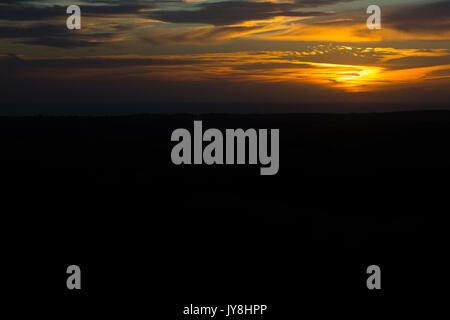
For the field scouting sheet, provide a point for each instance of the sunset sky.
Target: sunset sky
(295, 51)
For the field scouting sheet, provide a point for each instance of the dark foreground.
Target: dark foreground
(352, 190)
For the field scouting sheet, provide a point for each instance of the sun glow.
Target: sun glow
(363, 71)
(358, 81)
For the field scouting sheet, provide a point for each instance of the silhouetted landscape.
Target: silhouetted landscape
(352, 189)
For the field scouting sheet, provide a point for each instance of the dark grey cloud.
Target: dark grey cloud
(430, 17)
(19, 12)
(59, 42)
(198, 36)
(53, 35)
(232, 12)
(29, 12)
(30, 31)
(15, 62)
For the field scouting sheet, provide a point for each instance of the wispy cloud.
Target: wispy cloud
(366, 69)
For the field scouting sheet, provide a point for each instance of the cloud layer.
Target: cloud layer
(198, 50)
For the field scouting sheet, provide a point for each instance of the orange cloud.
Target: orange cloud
(316, 66)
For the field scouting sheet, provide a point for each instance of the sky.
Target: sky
(242, 51)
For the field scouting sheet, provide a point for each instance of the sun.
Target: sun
(360, 79)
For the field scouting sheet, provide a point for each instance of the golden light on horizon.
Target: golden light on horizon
(358, 80)
(378, 71)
